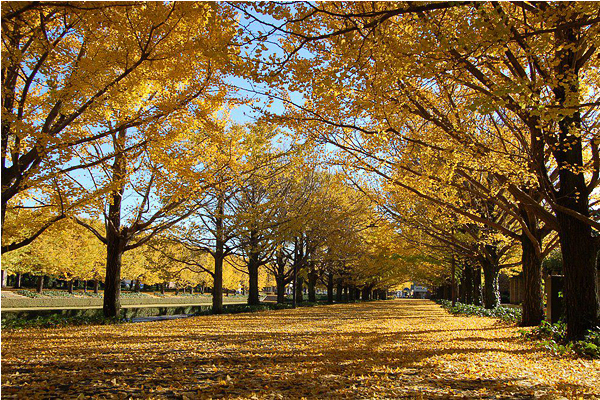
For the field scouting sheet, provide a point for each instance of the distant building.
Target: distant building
(418, 291)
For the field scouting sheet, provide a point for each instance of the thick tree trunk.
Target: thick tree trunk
(280, 281)
(339, 291)
(18, 281)
(115, 238)
(70, 286)
(468, 283)
(137, 286)
(491, 292)
(96, 285)
(299, 294)
(577, 243)
(112, 282)
(366, 293)
(40, 284)
(533, 306)
(253, 297)
(330, 288)
(351, 293)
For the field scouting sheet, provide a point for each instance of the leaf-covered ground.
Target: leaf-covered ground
(391, 349)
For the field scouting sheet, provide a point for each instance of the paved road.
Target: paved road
(389, 349)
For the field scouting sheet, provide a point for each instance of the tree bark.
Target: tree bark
(219, 256)
(137, 286)
(18, 281)
(330, 288)
(533, 305)
(477, 285)
(351, 293)
(299, 294)
(162, 288)
(339, 291)
(453, 281)
(115, 239)
(366, 293)
(112, 282)
(40, 284)
(312, 283)
(96, 285)
(491, 292)
(253, 265)
(577, 243)
(217, 295)
(70, 286)
(280, 281)
(468, 283)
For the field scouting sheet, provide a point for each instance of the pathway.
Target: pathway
(391, 349)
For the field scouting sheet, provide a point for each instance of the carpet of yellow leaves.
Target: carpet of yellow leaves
(391, 349)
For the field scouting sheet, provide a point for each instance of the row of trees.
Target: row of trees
(479, 119)
(470, 127)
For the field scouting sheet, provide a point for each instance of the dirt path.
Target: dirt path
(393, 349)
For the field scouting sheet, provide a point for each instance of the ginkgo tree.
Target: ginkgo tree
(509, 89)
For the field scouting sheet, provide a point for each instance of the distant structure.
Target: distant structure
(419, 292)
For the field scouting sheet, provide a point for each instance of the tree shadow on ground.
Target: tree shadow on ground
(312, 353)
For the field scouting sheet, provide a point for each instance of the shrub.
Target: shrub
(58, 320)
(507, 314)
(553, 337)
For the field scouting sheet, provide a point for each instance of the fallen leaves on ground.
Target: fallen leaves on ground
(390, 349)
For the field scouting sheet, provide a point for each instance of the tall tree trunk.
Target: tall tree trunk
(468, 283)
(112, 282)
(491, 292)
(40, 284)
(70, 285)
(18, 281)
(366, 293)
(312, 284)
(217, 295)
(253, 265)
(339, 291)
(453, 280)
(477, 285)
(330, 288)
(533, 306)
(115, 238)
(299, 291)
(217, 299)
(280, 281)
(253, 296)
(577, 243)
(96, 285)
